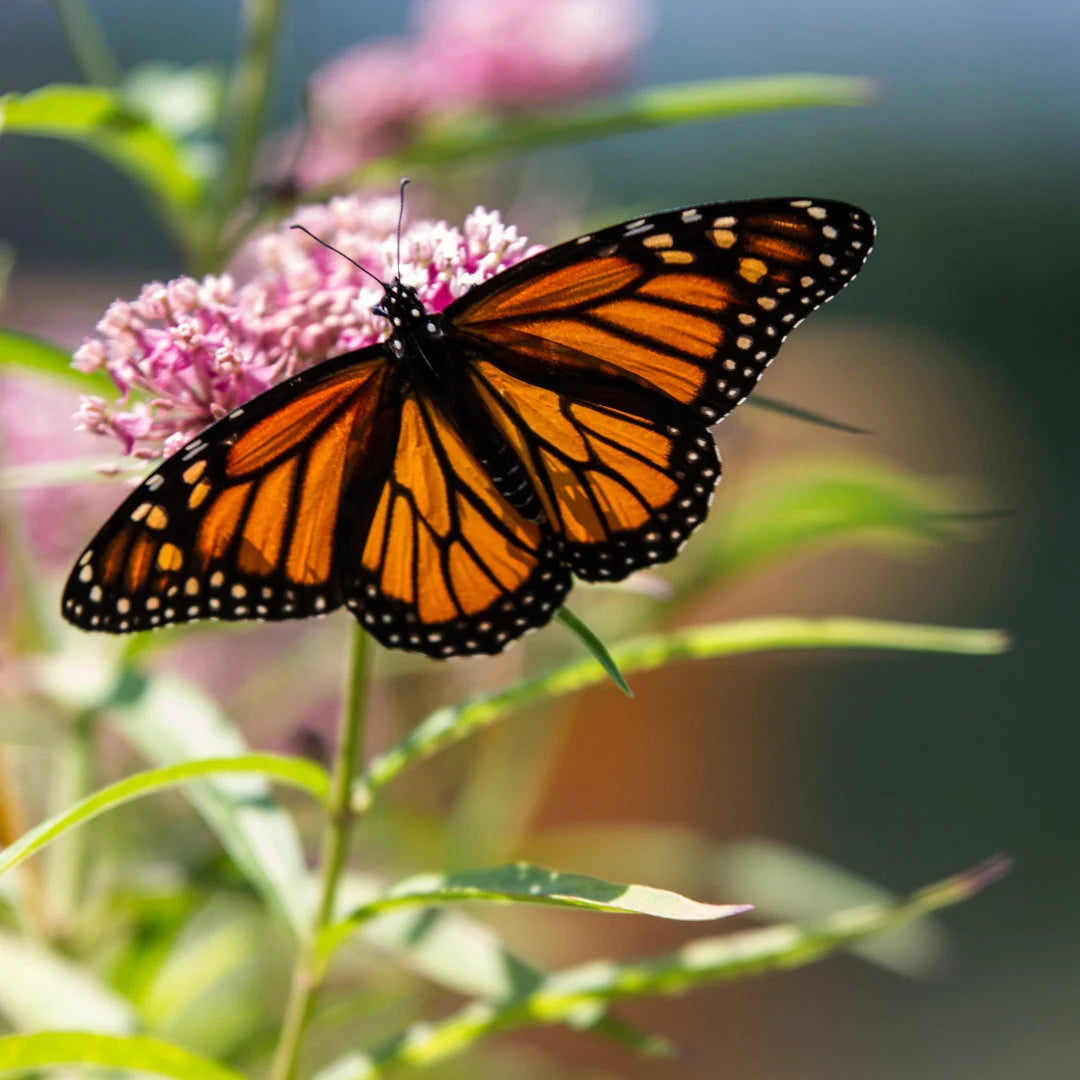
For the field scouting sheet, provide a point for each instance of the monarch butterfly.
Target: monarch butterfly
(446, 483)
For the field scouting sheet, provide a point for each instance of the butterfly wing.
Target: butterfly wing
(602, 362)
(246, 520)
(448, 566)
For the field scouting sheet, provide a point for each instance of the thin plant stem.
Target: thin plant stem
(246, 107)
(87, 42)
(342, 812)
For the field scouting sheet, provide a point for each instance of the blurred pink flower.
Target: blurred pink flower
(466, 54)
(185, 353)
(499, 53)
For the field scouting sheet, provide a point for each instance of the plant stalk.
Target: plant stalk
(87, 42)
(342, 812)
(247, 105)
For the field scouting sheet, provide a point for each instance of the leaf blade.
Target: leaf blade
(452, 723)
(575, 994)
(596, 647)
(525, 883)
(138, 1053)
(295, 772)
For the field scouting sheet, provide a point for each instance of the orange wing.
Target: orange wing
(447, 565)
(602, 362)
(690, 305)
(243, 522)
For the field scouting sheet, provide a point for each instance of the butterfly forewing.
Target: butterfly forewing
(241, 522)
(692, 304)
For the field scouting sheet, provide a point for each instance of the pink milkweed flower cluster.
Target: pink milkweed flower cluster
(186, 352)
(465, 55)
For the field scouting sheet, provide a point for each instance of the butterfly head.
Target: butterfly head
(402, 307)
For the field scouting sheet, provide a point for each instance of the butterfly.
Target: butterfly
(447, 484)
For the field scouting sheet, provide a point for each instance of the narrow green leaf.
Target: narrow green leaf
(797, 412)
(452, 723)
(101, 121)
(136, 1053)
(294, 772)
(169, 721)
(477, 135)
(596, 647)
(53, 992)
(522, 883)
(806, 507)
(23, 352)
(454, 951)
(578, 992)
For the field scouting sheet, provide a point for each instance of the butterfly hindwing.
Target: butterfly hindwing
(447, 566)
(241, 523)
(621, 490)
(691, 304)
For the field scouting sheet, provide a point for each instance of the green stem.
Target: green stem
(342, 811)
(246, 108)
(87, 42)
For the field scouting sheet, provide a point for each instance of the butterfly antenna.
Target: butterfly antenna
(400, 219)
(336, 251)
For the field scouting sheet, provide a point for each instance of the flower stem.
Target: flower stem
(87, 42)
(247, 104)
(341, 813)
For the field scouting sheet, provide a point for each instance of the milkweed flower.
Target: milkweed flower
(464, 55)
(498, 53)
(184, 353)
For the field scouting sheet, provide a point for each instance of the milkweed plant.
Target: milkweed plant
(306, 929)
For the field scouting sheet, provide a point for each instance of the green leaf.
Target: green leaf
(295, 772)
(575, 994)
(522, 883)
(53, 992)
(170, 721)
(101, 121)
(184, 101)
(477, 135)
(27, 353)
(822, 502)
(452, 723)
(794, 886)
(452, 950)
(137, 1053)
(596, 647)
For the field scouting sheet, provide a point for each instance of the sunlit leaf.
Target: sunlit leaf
(105, 124)
(478, 135)
(454, 722)
(170, 721)
(794, 886)
(136, 1053)
(53, 992)
(522, 883)
(295, 772)
(23, 352)
(806, 507)
(575, 994)
(452, 950)
(182, 99)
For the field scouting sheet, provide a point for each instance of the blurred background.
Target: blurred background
(954, 350)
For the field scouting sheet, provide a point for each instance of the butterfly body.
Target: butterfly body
(446, 483)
